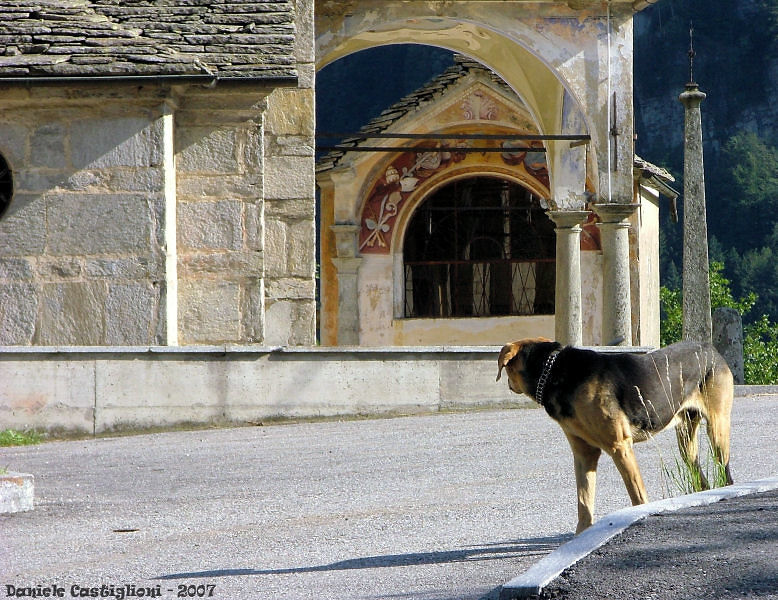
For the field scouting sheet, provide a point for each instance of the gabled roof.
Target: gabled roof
(124, 38)
(431, 91)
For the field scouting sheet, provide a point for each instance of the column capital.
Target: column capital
(568, 219)
(692, 97)
(345, 239)
(615, 213)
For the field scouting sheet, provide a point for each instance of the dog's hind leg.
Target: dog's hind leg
(623, 455)
(586, 457)
(718, 434)
(689, 445)
(719, 394)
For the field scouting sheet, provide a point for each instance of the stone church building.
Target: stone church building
(157, 177)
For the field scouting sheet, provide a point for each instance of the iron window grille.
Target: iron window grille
(479, 247)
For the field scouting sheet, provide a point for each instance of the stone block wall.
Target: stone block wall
(163, 211)
(290, 237)
(219, 204)
(155, 215)
(289, 192)
(245, 216)
(81, 244)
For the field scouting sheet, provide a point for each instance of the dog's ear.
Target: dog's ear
(507, 354)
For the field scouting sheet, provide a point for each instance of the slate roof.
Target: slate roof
(660, 179)
(228, 39)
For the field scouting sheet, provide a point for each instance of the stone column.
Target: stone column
(347, 263)
(568, 328)
(696, 280)
(617, 302)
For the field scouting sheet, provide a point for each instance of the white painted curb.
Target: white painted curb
(532, 581)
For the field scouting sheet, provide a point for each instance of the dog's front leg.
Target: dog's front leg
(585, 457)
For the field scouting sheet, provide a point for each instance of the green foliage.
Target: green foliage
(686, 478)
(756, 270)
(760, 352)
(754, 169)
(743, 201)
(760, 339)
(721, 292)
(671, 325)
(10, 437)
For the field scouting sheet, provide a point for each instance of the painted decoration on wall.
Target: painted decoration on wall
(480, 106)
(404, 175)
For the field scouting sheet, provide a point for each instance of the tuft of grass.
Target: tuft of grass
(685, 478)
(10, 437)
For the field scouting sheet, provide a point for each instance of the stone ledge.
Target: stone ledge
(260, 349)
(16, 492)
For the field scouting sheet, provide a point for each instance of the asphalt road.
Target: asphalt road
(727, 551)
(438, 507)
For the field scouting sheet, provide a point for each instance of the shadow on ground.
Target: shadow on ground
(497, 551)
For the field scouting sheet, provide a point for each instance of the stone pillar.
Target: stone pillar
(568, 328)
(347, 263)
(617, 302)
(171, 234)
(728, 340)
(696, 280)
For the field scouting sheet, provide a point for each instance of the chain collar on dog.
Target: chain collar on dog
(544, 376)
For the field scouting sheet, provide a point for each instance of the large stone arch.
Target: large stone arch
(555, 58)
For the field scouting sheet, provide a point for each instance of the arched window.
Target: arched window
(479, 247)
(6, 185)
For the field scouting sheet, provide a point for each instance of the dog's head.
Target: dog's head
(523, 361)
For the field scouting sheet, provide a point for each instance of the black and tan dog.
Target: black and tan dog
(607, 401)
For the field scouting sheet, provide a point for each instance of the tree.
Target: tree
(754, 170)
(760, 352)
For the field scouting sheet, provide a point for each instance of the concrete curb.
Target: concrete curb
(17, 491)
(756, 391)
(532, 581)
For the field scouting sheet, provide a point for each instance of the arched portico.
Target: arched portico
(369, 199)
(570, 65)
